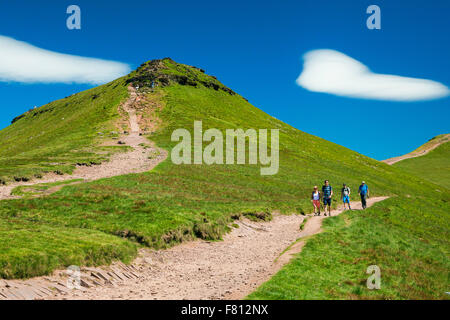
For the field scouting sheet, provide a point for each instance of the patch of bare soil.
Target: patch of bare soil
(228, 269)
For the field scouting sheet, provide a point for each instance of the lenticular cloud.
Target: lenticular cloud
(333, 72)
(23, 62)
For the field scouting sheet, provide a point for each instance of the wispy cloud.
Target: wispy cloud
(333, 72)
(23, 62)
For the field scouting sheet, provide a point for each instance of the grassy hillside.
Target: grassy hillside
(434, 166)
(174, 203)
(432, 143)
(407, 238)
(62, 133)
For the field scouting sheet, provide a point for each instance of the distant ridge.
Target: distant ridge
(432, 144)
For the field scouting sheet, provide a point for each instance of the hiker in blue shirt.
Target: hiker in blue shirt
(364, 193)
(327, 193)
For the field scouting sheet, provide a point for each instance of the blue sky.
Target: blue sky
(256, 48)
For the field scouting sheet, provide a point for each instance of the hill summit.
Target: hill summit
(165, 72)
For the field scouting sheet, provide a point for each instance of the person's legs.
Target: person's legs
(363, 201)
(346, 200)
(316, 205)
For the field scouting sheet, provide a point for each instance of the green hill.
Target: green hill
(96, 222)
(62, 133)
(433, 166)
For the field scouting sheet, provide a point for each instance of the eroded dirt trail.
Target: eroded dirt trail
(228, 269)
(430, 146)
(144, 156)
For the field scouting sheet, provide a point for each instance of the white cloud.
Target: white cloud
(23, 62)
(333, 72)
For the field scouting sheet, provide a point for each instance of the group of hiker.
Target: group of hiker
(327, 193)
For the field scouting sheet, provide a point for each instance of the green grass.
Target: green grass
(30, 248)
(434, 166)
(405, 237)
(26, 191)
(175, 203)
(303, 224)
(62, 133)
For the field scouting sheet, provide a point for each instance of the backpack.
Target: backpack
(346, 191)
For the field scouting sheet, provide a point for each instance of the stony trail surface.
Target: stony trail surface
(228, 269)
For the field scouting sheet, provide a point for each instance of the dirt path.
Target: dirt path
(421, 151)
(228, 269)
(143, 157)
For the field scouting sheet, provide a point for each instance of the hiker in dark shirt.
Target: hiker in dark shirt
(327, 193)
(364, 193)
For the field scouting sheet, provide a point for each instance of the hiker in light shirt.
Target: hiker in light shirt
(315, 199)
(345, 196)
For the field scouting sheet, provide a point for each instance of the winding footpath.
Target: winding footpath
(143, 157)
(228, 269)
(430, 146)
